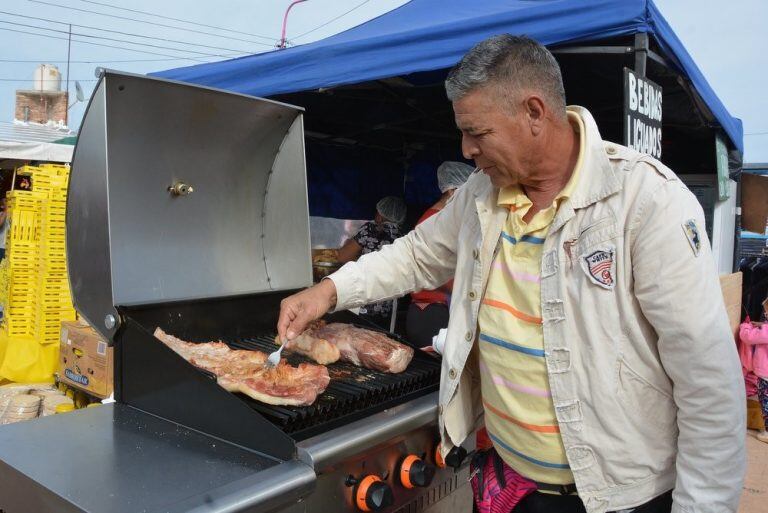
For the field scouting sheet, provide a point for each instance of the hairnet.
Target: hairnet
(392, 208)
(451, 175)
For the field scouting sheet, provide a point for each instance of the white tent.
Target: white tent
(32, 141)
(48, 152)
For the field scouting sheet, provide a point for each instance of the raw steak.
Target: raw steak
(243, 371)
(318, 349)
(358, 346)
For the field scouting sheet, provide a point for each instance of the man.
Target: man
(587, 322)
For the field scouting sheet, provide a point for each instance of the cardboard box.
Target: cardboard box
(730, 284)
(754, 415)
(85, 360)
(754, 202)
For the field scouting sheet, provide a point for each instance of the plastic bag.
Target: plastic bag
(496, 488)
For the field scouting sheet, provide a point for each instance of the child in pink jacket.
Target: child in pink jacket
(754, 337)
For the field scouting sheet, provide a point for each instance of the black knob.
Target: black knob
(379, 496)
(371, 493)
(421, 473)
(415, 472)
(455, 457)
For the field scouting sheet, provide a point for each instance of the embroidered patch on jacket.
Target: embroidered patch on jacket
(600, 266)
(692, 234)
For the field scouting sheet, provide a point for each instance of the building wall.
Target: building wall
(43, 106)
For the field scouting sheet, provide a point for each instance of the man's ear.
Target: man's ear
(535, 110)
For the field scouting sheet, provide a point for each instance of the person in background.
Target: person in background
(3, 226)
(754, 356)
(428, 312)
(383, 230)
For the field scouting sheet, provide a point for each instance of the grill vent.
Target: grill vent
(424, 503)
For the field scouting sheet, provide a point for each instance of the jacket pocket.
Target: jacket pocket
(651, 408)
(596, 233)
(639, 429)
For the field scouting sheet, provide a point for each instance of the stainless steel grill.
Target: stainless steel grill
(187, 210)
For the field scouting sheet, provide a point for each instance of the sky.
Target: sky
(730, 45)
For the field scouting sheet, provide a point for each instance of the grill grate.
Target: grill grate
(353, 392)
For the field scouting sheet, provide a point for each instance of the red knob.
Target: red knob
(415, 472)
(439, 461)
(373, 494)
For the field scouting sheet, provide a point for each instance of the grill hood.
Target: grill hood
(179, 192)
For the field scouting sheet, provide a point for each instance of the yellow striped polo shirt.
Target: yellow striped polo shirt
(519, 413)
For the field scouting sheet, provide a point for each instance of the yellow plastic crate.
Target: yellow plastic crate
(22, 289)
(16, 327)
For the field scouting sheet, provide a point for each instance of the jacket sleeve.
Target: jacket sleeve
(425, 258)
(678, 290)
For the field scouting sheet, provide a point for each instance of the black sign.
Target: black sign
(642, 114)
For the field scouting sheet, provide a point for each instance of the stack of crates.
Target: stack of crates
(38, 297)
(54, 300)
(22, 251)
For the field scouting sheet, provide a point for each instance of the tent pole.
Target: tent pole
(641, 53)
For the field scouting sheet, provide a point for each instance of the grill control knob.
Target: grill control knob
(439, 461)
(453, 459)
(373, 494)
(415, 472)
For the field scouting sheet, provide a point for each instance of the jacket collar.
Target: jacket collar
(597, 180)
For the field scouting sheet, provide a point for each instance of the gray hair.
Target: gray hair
(511, 62)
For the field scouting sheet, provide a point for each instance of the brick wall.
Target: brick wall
(43, 106)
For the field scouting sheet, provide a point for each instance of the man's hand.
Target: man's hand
(300, 309)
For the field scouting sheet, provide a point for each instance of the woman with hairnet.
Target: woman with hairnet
(384, 229)
(428, 312)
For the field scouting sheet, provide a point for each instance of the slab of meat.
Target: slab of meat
(243, 371)
(318, 349)
(358, 346)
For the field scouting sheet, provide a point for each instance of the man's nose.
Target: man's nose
(469, 147)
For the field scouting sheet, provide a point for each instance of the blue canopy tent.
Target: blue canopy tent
(377, 119)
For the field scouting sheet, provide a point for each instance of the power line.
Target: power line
(50, 61)
(103, 45)
(122, 33)
(148, 22)
(332, 20)
(204, 54)
(178, 19)
(756, 133)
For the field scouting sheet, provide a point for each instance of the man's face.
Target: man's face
(500, 142)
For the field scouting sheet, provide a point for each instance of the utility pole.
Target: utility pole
(283, 41)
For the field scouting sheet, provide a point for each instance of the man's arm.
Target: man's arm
(678, 290)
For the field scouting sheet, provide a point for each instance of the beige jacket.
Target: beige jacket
(642, 364)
